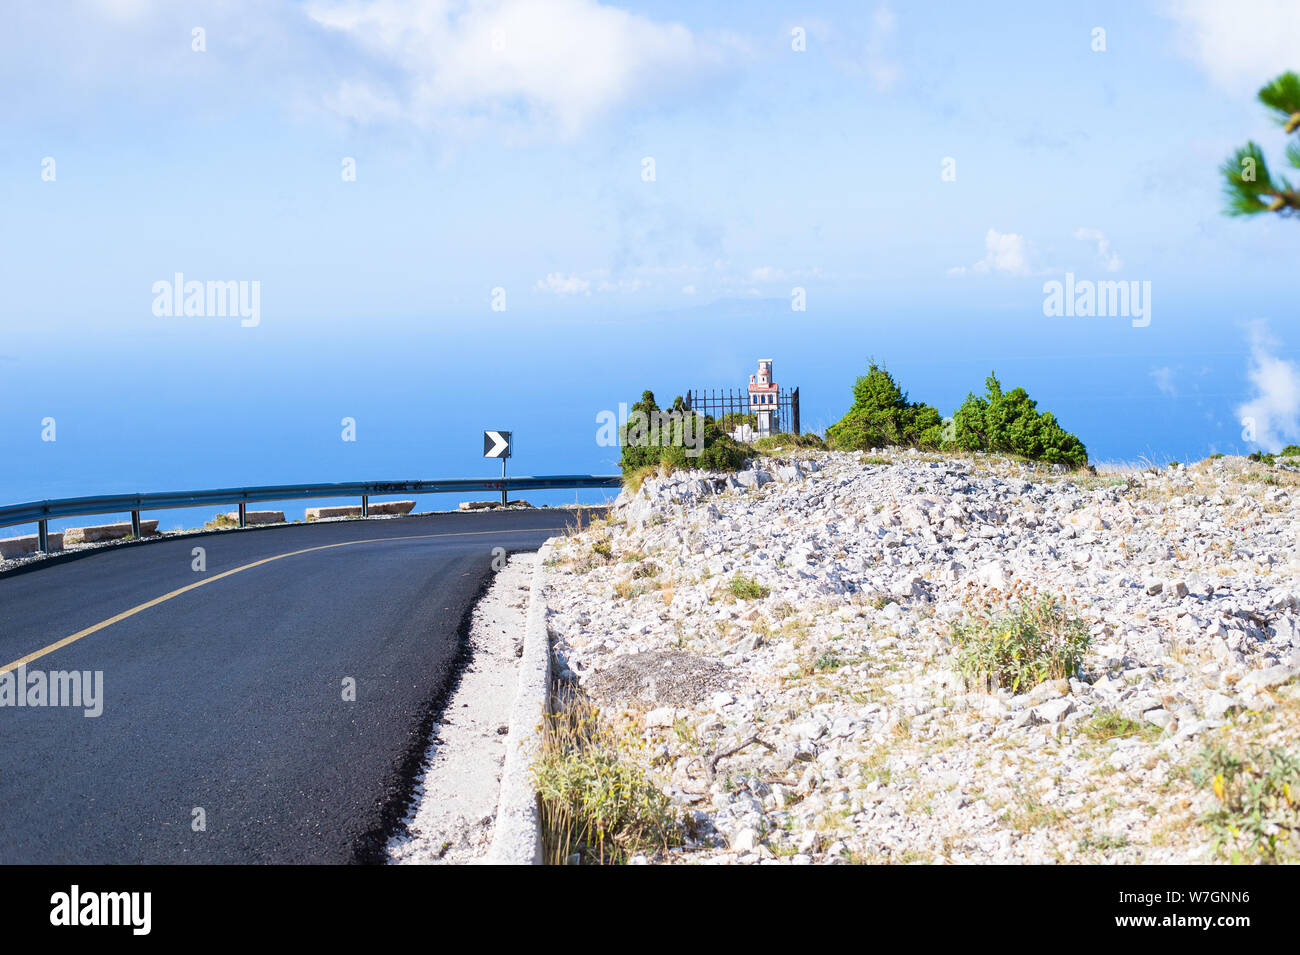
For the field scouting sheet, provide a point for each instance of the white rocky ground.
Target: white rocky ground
(858, 741)
(454, 813)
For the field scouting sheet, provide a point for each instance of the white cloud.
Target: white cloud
(558, 64)
(688, 289)
(1109, 260)
(575, 284)
(1004, 252)
(859, 50)
(1275, 408)
(121, 9)
(362, 103)
(1241, 44)
(562, 284)
(623, 285)
(1164, 378)
(883, 69)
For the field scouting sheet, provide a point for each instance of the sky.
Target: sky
(518, 214)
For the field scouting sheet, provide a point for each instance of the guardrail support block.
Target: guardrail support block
(365, 505)
(43, 536)
(243, 514)
(135, 523)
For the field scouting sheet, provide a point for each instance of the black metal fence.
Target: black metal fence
(721, 402)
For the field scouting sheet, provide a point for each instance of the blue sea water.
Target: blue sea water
(203, 403)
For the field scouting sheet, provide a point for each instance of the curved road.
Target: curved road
(229, 697)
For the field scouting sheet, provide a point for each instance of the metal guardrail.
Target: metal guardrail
(41, 512)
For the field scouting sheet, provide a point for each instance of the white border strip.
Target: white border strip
(517, 838)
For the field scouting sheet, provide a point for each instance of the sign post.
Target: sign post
(499, 444)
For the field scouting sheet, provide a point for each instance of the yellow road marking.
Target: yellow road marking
(59, 644)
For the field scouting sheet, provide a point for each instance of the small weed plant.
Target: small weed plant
(1256, 817)
(595, 803)
(1018, 650)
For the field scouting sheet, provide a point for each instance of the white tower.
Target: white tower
(762, 397)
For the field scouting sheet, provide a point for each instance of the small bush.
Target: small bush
(1258, 813)
(735, 419)
(1009, 422)
(881, 416)
(664, 446)
(789, 442)
(595, 804)
(746, 588)
(830, 660)
(632, 480)
(1038, 642)
(1270, 458)
(1108, 724)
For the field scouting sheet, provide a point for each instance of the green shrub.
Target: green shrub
(789, 442)
(1009, 422)
(1257, 817)
(881, 416)
(746, 588)
(665, 444)
(1108, 724)
(1269, 458)
(734, 419)
(1019, 650)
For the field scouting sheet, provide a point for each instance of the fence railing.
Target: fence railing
(41, 512)
(736, 403)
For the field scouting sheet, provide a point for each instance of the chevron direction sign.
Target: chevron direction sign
(497, 444)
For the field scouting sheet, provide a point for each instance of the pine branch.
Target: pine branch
(1249, 185)
(1282, 96)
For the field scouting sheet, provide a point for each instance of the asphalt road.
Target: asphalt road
(230, 697)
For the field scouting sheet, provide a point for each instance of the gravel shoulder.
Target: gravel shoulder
(819, 716)
(454, 808)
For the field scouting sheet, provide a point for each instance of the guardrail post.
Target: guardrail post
(365, 505)
(243, 514)
(43, 536)
(135, 523)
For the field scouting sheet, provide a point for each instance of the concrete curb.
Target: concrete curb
(517, 838)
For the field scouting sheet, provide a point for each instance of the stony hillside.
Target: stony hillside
(777, 647)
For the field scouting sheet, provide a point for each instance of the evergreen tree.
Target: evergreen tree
(881, 416)
(1009, 422)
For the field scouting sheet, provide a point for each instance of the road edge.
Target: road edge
(517, 837)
